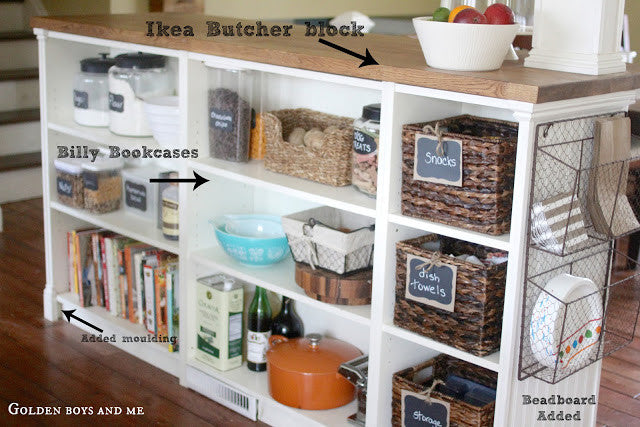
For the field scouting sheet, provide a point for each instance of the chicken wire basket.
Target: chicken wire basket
(577, 199)
(331, 239)
(575, 314)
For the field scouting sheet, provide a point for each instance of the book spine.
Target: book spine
(70, 261)
(105, 276)
(139, 288)
(78, 268)
(112, 278)
(96, 294)
(160, 278)
(149, 292)
(122, 281)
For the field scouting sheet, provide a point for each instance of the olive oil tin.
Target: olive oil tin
(219, 321)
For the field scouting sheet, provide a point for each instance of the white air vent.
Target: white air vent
(222, 393)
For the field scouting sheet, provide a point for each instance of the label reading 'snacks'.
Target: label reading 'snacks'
(438, 167)
(80, 99)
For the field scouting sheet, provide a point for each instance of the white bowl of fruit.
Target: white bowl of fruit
(466, 39)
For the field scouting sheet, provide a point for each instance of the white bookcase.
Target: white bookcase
(247, 188)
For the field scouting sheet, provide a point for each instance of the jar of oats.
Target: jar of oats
(102, 184)
(69, 185)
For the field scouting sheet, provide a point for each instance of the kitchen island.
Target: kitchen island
(300, 72)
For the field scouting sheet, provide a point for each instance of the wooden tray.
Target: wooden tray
(332, 288)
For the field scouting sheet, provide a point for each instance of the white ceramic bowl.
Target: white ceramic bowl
(566, 344)
(163, 117)
(464, 47)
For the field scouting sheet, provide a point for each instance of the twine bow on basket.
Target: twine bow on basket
(427, 392)
(434, 261)
(430, 130)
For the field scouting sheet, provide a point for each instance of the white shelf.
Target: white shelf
(99, 135)
(491, 361)
(279, 278)
(498, 242)
(156, 354)
(256, 384)
(124, 223)
(346, 198)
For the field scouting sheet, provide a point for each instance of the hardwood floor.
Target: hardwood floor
(43, 363)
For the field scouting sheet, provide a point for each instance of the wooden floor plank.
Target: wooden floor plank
(44, 363)
(619, 382)
(613, 418)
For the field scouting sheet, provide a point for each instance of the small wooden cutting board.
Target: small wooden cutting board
(332, 288)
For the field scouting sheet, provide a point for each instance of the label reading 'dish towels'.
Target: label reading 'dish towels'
(434, 285)
(418, 412)
(431, 167)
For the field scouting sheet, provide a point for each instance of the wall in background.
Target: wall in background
(76, 7)
(632, 8)
(274, 9)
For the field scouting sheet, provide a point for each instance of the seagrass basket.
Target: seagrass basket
(330, 163)
(483, 202)
(475, 324)
(461, 413)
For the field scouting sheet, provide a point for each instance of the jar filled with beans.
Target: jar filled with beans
(102, 185)
(69, 184)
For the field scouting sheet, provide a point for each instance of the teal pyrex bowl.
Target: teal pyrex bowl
(252, 239)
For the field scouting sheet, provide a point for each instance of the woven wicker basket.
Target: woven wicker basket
(475, 324)
(483, 203)
(461, 413)
(330, 164)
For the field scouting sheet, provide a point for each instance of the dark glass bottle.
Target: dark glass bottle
(287, 322)
(259, 331)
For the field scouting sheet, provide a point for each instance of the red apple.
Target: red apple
(470, 16)
(499, 14)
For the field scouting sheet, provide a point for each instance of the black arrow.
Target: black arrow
(69, 314)
(198, 180)
(367, 58)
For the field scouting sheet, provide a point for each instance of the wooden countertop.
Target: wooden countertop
(400, 57)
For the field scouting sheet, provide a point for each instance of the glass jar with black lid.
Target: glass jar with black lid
(91, 91)
(366, 138)
(135, 77)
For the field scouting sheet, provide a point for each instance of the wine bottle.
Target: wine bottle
(287, 322)
(259, 331)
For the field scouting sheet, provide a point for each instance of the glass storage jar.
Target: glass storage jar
(69, 184)
(102, 184)
(231, 115)
(91, 91)
(135, 77)
(140, 195)
(366, 132)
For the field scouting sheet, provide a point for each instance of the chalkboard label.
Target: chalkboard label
(135, 196)
(90, 181)
(418, 412)
(429, 166)
(116, 102)
(65, 187)
(221, 120)
(80, 99)
(363, 143)
(435, 286)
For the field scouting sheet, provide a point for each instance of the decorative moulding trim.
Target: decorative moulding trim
(593, 64)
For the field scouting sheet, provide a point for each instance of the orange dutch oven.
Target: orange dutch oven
(303, 372)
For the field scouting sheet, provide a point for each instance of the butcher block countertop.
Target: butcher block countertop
(400, 57)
